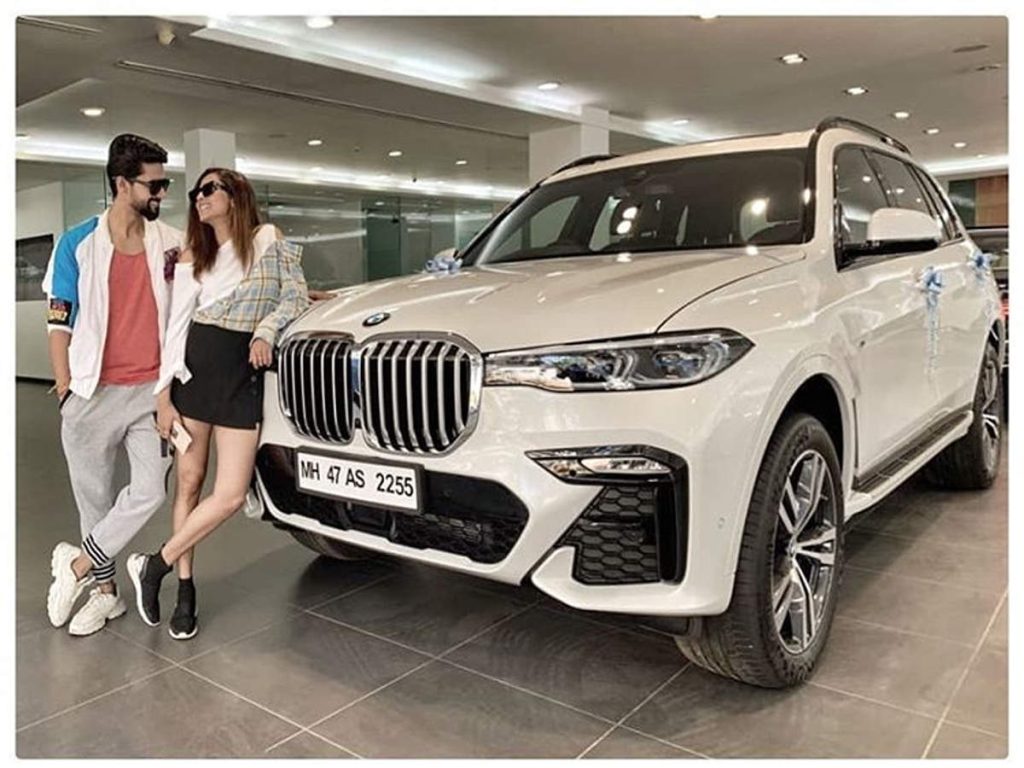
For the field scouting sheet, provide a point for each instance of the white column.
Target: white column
(207, 148)
(555, 147)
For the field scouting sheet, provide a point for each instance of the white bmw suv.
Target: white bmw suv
(655, 385)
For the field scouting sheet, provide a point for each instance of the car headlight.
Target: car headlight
(672, 360)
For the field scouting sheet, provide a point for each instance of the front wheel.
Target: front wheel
(787, 575)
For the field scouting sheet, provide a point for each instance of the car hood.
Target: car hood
(547, 301)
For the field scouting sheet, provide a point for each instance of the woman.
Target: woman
(236, 286)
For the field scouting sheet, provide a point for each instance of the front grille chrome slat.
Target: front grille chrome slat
(418, 394)
(428, 439)
(396, 406)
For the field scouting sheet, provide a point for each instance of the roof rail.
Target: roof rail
(586, 160)
(856, 125)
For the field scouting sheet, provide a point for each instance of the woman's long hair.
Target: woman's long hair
(243, 216)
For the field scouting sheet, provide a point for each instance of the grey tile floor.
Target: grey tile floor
(299, 656)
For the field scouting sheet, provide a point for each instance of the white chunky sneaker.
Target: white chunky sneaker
(98, 610)
(65, 589)
(253, 505)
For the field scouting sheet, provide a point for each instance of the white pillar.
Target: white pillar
(555, 147)
(206, 148)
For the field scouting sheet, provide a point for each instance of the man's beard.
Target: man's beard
(150, 210)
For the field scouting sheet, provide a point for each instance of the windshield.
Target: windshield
(720, 201)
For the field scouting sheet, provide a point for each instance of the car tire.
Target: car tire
(328, 547)
(972, 462)
(773, 574)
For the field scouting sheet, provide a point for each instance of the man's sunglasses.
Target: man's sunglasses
(207, 190)
(156, 186)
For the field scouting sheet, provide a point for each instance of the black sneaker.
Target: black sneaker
(147, 594)
(183, 620)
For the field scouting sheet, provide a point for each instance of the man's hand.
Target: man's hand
(166, 415)
(61, 388)
(260, 354)
(315, 295)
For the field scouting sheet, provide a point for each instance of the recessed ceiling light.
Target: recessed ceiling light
(959, 144)
(988, 67)
(856, 90)
(316, 169)
(315, 142)
(981, 154)
(319, 22)
(549, 86)
(93, 111)
(395, 153)
(461, 162)
(901, 115)
(681, 121)
(707, 16)
(379, 202)
(793, 58)
(931, 131)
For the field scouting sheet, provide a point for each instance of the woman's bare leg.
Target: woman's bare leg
(190, 476)
(236, 455)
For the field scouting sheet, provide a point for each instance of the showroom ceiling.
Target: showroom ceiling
(442, 89)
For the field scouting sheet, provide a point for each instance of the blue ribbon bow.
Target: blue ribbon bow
(982, 264)
(931, 283)
(448, 265)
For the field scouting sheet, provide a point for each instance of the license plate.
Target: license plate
(392, 486)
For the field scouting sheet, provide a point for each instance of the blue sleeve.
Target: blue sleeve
(61, 281)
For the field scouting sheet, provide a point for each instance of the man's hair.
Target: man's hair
(126, 155)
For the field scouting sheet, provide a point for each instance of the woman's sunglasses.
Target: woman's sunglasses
(206, 190)
(156, 186)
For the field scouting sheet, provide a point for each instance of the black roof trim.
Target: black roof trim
(855, 125)
(586, 160)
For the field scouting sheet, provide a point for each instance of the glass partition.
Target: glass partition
(348, 236)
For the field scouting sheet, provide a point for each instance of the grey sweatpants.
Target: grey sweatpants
(92, 432)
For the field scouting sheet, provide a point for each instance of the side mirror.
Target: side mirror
(895, 230)
(898, 225)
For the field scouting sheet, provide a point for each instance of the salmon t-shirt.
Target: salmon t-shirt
(131, 353)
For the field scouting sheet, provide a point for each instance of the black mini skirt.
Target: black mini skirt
(224, 389)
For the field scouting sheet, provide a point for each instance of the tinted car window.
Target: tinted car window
(948, 214)
(942, 211)
(722, 201)
(859, 193)
(901, 185)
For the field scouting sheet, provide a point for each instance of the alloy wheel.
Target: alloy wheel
(804, 554)
(990, 413)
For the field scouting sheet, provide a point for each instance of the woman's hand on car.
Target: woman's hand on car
(260, 354)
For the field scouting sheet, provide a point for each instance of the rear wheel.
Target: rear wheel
(327, 547)
(788, 570)
(972, 462)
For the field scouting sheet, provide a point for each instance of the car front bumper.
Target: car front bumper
(527, 523)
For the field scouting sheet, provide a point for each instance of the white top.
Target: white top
(190, 295)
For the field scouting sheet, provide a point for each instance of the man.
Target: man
(109, 286)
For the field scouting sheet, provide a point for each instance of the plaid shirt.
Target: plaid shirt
(272, 295)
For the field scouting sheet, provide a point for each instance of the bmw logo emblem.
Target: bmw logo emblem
(376, 319)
